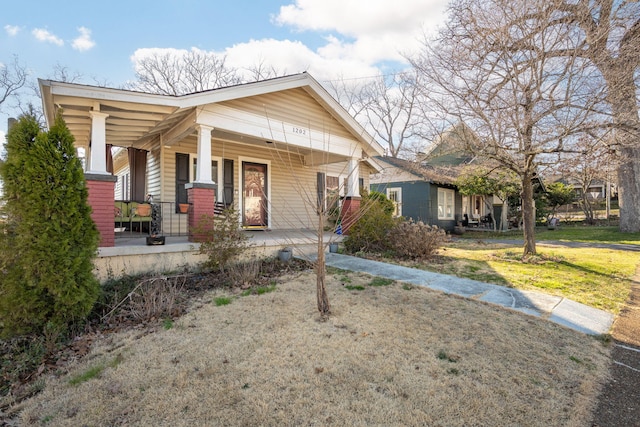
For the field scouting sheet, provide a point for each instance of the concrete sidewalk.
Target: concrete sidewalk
(556, 309)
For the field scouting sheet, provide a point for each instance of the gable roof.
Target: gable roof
(435, 174)
(138, 116)
(448, 148)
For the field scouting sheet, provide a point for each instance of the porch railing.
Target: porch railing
(133, 218)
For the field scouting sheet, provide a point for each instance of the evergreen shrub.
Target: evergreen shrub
(374, 221)
(48, 238)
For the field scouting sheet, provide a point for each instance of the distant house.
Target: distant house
(421, 192)
(425, 190)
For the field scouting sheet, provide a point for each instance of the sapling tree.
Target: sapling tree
(49, 239)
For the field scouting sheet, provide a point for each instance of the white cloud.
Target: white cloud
(83, 42)
(45, 36)
(12, 30)
(292, 57)
(375, 30)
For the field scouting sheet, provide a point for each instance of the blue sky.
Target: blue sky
(102, 40)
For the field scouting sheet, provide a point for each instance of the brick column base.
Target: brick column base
(202, 198)
(101, 198)
(349, 213)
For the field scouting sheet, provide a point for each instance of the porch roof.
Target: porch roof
(136, 119)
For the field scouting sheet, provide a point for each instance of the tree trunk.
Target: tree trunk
(321, 272)
(504, 218)
(629, 189)
(528, 215)
(622, 98)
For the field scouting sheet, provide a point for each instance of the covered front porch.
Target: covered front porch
(132, 256)
(273, 150)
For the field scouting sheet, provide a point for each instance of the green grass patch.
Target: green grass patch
(167, 323)
(354, 287)
(96, 371)
(220, 301)
(87, 375)
(568, 232)
(600, 278)
(259, 290)
(381, 281)
(583, 233)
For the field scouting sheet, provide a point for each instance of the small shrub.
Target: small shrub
(375, 220)
(244, 273)
(221, 238)
(416, 240)
(354, 287)
(155, 297)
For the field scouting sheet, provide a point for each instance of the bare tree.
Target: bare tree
(490, 68)
(178, 72)
(391, 106)
(13, 77)
(261, 70)
(607, 34)
(594, 165)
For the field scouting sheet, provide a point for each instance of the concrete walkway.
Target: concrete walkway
(556, 309)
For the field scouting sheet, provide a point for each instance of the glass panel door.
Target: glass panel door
(254, 197)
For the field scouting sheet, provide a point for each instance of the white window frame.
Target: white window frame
(398, 202)
(446, 204)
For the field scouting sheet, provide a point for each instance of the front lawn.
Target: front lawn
(570, 233)
(600, 278)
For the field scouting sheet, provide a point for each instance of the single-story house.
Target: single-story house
(268, 148)
(420, 192)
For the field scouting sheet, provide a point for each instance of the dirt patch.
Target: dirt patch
(619, 403)
(394, 354)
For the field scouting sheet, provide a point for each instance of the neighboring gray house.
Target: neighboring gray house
(421, 192)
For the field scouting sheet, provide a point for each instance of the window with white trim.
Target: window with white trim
(395, 195)
(446, 203)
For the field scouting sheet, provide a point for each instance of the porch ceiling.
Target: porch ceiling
(310, 157)
(137, 119)
(128, 123)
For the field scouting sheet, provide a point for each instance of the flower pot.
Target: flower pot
(285, 254)
(183, 207)
(155, 240)
(143, 209)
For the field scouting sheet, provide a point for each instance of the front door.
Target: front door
(254, 195)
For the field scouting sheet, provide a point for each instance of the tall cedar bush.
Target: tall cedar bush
(48, 240)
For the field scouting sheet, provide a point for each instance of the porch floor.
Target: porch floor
(257, 238)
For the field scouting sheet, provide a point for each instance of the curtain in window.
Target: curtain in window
(109, 159)
(138, 172)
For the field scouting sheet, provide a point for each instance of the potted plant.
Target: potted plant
(285, 254)
(183, 207)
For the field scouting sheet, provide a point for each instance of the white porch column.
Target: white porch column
(203, 169)
(353, 184)
(98, 153)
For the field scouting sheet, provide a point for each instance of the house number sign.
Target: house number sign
(299, 131)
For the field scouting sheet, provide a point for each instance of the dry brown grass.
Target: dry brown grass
(390, 355)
